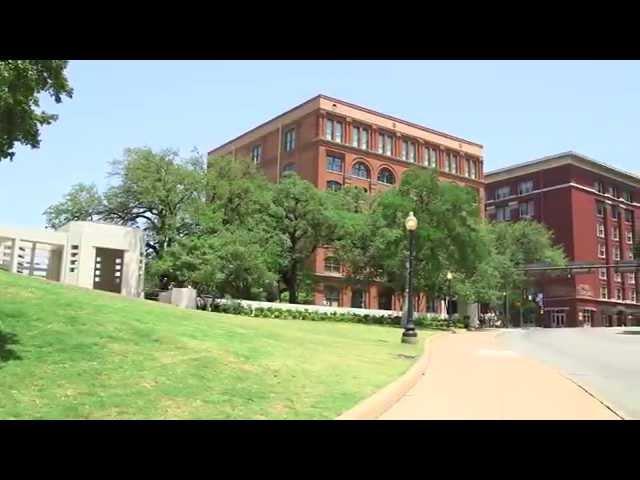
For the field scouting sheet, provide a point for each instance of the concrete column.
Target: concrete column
(13, 266)
(473, 312)
(33, 258)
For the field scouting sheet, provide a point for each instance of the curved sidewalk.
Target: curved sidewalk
(472, 377)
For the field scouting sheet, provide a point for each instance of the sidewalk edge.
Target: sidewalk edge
(589, 391)
(372, 407)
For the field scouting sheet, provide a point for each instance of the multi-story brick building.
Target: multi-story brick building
(594, 211)
(332, 143)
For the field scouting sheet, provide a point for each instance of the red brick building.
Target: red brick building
(593, 210)
(332, 143)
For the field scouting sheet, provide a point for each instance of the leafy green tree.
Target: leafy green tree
(237, 192)
(21, 84)
(232, 248)
(515, 245)
(373, 245)
(156, 191)
(302, 222)
(234, 262)
(82, 203)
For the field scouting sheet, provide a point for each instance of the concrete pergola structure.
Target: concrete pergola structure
(86, 254)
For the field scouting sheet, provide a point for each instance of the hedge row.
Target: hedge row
(421, 321)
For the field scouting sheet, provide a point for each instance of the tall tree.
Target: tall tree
(374, 245)
(300, 218)
(233, 248)
(82, 203)
(21, 84)
(156, 190)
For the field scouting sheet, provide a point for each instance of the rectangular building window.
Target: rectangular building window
(408, 151)
(360, 137)
(629, 237)
(627, 196)
(615, 233)
(615, 213)
(613, 191)
(616, 253)
(598, 186)
(503, 214)
(619, 296)
(332, 296)
(600, 230)
(628, 216)
(333, 130)
(602, 273)
(474, 168)
(631, 278)
(503, 192)
(256, 153)
(453, 163)
(602, 251)
(600, 209)
(525, 187)
(385, 143)
(633, 296)
(526, 209)
(630, 255)
(334, 163)
(430, 157)
(617, 277)
(289, 139)
(604, 292)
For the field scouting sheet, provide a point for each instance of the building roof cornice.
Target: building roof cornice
(565, 158)
(317, 103)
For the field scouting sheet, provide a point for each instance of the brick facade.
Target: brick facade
(325, 127)
(564, 196)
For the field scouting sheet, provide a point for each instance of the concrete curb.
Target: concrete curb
(588, 390)
(371, 408)
(616, 411)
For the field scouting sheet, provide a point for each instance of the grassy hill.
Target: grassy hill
(72, 353)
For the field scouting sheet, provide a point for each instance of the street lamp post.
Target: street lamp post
(409, 335)
(449, 278)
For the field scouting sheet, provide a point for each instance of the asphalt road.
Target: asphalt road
(606, 361)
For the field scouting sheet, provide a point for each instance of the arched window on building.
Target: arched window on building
(333, 186)
(360, 170)
(386, 176)
(331, 265)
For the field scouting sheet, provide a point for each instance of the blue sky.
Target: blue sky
(518, 110)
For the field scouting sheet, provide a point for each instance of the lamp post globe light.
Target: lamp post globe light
(409, 335)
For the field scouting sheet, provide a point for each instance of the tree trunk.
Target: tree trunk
(292, 283)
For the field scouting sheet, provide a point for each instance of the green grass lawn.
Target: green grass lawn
(71, 353)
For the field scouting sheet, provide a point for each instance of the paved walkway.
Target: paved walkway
(472, 376)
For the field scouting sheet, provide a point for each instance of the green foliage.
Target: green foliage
(82, 203)
(21, 84)
(156, 191)
(372, 240)
(425, 321)
(233, 248)
(300, 217)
